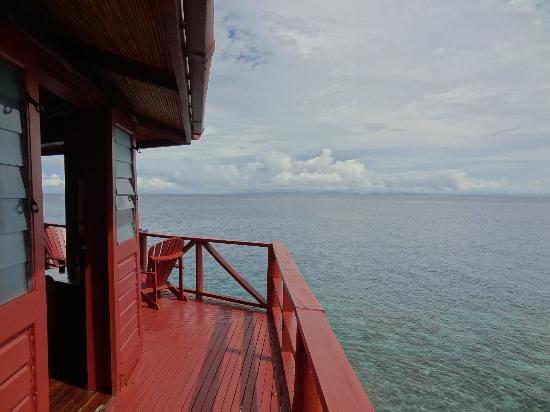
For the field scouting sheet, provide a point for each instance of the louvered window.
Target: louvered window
(14, 214)
(125, 186)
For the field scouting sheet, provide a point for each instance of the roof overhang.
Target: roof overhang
(149, 59)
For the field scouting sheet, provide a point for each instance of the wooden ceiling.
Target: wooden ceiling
(136, 53)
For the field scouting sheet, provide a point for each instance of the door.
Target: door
(23, 330)
(126, 339)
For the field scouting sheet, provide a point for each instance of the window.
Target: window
(125, 186)
(14, 214)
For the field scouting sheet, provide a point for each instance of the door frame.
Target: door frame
(93, 157)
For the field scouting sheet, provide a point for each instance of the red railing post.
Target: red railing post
(198, 271)
(143, 249)
(271, 302)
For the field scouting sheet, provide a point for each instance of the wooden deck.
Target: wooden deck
(68, 398)
(205, 356)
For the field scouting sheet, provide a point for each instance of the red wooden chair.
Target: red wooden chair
(162, 258)
(56, 245)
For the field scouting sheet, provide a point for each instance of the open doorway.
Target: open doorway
(65, 289)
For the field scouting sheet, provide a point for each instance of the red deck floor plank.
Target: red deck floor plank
(65, 397)
(278, 396)
(255, 379)
(197, 382)
(226, 371)
(213, 382)
(245, 382)
(174, 379)
(234, 364)
(182, 382)
(177, 353)
(209, 375)
(195, 373)
(203, 356)
(208, 368)
(262, 395)
(237, 379)
(165, 354)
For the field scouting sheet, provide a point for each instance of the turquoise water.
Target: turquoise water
(441, 303)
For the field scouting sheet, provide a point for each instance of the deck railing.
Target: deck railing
(203, 243)
(317, 373)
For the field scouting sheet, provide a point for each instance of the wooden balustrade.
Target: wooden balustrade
(318, 375)
(317, 372)
(200, 243)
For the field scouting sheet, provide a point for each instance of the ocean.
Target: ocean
(440, 302)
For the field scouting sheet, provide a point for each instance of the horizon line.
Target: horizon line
(260, 193)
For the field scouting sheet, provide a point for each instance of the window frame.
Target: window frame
(130, 197)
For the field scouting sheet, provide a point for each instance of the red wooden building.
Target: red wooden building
(95, 80)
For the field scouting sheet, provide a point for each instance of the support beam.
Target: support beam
(53, 149)
(234, 274)
(188, 246)
(224, 298)
(172, 19)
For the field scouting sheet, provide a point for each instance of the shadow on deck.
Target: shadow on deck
(205, 356)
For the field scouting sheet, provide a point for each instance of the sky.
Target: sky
(368, 96)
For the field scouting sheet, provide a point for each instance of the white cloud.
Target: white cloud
(318, 173)
(53, 181)
(461, 95)
(323, 172)
(154, 184)
(444, 181)
(538, 9)
(277, 171)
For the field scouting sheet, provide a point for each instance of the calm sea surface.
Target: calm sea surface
(441, 303)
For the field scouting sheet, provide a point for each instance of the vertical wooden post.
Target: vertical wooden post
(306, 397)
(143, 249)
(180, 279)
(289, 328)
(270, 283)
(72, 193)
(93, 220)
(198, 270)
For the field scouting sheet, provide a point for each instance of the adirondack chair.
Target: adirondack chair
(162, 258)
(56, 245)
